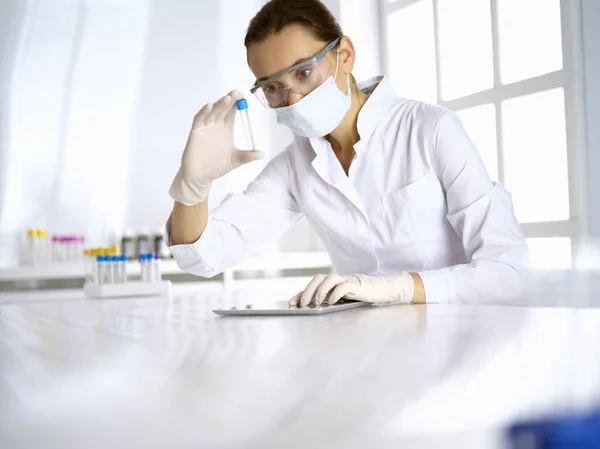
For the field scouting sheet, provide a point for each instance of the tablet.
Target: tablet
(283, 308)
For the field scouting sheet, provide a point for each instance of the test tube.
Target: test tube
(123, 268)
(55, 248)
(101, 267)
(94, 259)
(143, 268)
(242, 106)
(43, 246)
(87, 266)
(149, 267)
(69, 248)
(30, 246)
(80, 244)
(157, 274)
(112, 269)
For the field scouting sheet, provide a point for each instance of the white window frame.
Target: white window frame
(570, 78)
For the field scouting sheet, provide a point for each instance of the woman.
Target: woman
(394, 188)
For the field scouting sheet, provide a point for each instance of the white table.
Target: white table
(156, 373)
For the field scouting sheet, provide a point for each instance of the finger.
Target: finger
(311, 288)
(328, 284)
(241, 157)
(340, 291)
(230, 116)
(199, 119)
(235, 95)
(222, 107)
(295, 299)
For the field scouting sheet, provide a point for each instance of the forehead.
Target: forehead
(282, 50)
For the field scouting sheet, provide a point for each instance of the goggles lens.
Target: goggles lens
(302, 80)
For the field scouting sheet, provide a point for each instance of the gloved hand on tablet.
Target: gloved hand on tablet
(395, 288)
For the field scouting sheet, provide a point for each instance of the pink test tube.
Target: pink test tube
(56, 248)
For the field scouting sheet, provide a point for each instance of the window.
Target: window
(508, 68)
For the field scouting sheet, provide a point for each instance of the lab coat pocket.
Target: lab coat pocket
(416, 214)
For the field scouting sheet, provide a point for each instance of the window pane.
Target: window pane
(552, 252)
(530, 38)
(480, 124)
(465, 45)
(411, 51)
(535, 156)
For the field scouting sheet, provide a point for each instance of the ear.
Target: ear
(347, 55)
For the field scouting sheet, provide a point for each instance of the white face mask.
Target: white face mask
(318, 113)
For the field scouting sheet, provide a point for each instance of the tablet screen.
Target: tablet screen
(283, 308)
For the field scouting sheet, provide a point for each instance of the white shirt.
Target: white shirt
(417, 198)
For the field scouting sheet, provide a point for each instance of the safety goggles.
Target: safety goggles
(301, 78)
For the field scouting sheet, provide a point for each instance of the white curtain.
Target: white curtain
(72, 83)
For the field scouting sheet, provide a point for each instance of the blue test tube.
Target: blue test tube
(242, 106)
(101, 261)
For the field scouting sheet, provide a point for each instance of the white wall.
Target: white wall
(360, 21)
(180, 73)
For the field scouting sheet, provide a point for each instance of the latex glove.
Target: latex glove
(389, 289)
(209, 153)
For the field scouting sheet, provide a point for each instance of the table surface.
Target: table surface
(167, 372)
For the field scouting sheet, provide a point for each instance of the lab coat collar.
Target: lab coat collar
(381, 97)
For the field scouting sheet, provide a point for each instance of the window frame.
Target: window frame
(569, 78)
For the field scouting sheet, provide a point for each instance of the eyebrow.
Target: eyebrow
(264, 78)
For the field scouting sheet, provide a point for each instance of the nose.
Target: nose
(293, 97)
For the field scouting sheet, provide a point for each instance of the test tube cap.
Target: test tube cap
(123, 257)
(242, 104)
(100, 258)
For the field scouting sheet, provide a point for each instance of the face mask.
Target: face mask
(319, 112)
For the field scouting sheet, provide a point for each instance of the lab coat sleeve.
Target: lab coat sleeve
(482, 214)
(243, 223)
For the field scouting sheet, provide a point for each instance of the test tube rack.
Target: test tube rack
(127, 289)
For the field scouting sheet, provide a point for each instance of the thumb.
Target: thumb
(242, 157)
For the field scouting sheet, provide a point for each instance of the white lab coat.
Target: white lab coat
(417, 198)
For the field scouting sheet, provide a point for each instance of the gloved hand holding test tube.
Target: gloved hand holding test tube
(210, 152)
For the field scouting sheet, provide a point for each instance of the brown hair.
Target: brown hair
(277, 14)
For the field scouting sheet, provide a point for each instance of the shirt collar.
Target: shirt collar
(381, 98)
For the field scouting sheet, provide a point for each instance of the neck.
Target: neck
(345, 136)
